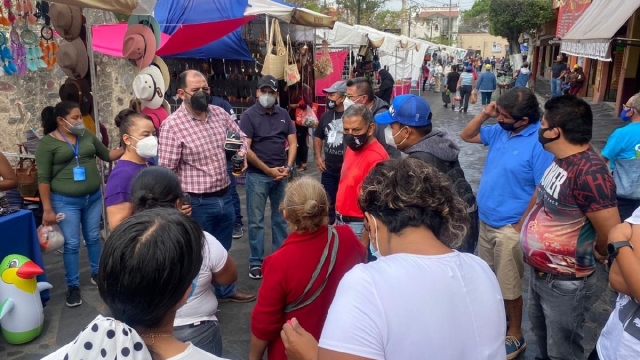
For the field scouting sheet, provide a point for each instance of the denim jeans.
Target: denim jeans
(486, 97)
(83, 210)
(235, 199)
(206, 336)
(259, 188)
(330, 181)
(215, 215)
(556, 87)
(557, 311)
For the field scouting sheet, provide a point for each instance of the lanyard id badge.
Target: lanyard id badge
(79, 172)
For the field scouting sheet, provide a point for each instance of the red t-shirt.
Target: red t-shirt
(287, 273)
(355, 168)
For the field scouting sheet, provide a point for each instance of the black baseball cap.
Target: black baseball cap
(268, 81)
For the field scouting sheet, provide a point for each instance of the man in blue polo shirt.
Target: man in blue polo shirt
(515, 164)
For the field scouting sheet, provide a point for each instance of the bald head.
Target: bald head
(188, 77)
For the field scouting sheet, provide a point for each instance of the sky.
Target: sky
(464, 4)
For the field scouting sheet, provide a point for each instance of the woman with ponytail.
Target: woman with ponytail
(158, 187)
(137, 135)
(301, 277)
(69, 184)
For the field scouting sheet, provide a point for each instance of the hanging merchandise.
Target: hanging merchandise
(66, 20)
(27, 175)
(48, 46)
(73, 59)
(274, 63)
(33, 50)
(323, 66)
(19, 52)
(3, 19)
(291, 73)
(8, 66)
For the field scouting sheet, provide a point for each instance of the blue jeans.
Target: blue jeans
(486, 97)
(235, 199)
(556, 87)
(557, 312)
(206, 336)
(215, 215)
(83, 210)
(259, 188)
(330, 181)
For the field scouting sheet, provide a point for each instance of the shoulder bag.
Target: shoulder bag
(274, 63)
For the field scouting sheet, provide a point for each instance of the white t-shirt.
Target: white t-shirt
(620, 337)
(406, 306)
(203, 304)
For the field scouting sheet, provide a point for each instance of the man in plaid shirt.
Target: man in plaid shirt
(192, 145)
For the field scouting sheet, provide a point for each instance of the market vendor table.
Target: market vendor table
(18, 236)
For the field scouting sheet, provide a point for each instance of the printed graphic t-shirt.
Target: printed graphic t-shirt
(620, 338)
(557, 236)
(330, 131)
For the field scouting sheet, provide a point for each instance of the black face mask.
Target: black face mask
(331, 104)
(356, 142)
(543, 140)
(199, 101)
(509, 127)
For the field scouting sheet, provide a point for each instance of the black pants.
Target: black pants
(424, 84)
(626, 207)
(594, 355)
(465, 93)
(303, 146)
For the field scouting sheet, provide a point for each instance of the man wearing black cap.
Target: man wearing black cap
(409, 129)
(328, 140)
(268, 128)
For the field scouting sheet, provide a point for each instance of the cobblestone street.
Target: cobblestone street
(62, 324)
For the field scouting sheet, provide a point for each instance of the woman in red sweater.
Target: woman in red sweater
(289, 271)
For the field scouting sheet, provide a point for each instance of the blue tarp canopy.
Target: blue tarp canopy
(172, 13)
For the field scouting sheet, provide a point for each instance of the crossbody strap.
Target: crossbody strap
(298, 304)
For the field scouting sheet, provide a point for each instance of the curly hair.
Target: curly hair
(306, 203)
(411, 193)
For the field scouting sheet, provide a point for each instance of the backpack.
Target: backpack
(463, 189)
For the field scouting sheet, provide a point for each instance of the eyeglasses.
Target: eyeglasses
(352, 96)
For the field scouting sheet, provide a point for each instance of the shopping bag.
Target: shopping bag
(446, 97)
(457, 97)
(27, 174)
(474, 97)
(274, 63)
(291, 73)
(307, 117)
(51, 237)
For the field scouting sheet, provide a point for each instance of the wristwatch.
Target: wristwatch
(289, 167)
(614, 247)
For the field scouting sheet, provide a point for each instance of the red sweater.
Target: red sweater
(287, 273)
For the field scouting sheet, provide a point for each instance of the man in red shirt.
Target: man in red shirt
(363, 152)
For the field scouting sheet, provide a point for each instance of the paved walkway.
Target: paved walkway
(63, 324)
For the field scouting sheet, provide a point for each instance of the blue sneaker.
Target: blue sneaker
(514, 346)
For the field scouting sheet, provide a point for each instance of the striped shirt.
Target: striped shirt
(194, 149)
(467, 79)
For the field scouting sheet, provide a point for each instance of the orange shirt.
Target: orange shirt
(355, 168)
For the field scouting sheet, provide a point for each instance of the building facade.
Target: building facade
(436, 23)
(487, 44)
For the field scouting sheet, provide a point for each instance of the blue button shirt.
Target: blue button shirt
(513, 169)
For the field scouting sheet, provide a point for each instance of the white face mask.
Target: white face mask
(375, 252)
(347, 103)
(267, 101)
(389, 138)
(147, 147)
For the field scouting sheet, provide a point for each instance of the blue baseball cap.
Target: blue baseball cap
(410, 110)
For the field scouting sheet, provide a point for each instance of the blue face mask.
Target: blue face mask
(374, 252)
(626, 115)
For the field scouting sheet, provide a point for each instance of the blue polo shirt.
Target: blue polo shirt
(513, 169)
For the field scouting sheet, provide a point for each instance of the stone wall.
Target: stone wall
(39, 89)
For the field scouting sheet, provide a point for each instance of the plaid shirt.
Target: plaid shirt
(194, 149)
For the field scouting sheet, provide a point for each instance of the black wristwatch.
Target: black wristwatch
(289, 167)
(614, 247)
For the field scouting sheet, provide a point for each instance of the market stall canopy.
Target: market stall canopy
(591, 36)
(289, 13)
(108, 39)
(140, 7)
(173, 15)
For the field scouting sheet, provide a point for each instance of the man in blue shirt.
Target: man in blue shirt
(622, 151)
(235, 198)
(515, 164)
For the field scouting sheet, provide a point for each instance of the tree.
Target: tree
(348, 10)
(511, 18)
(476, 19)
